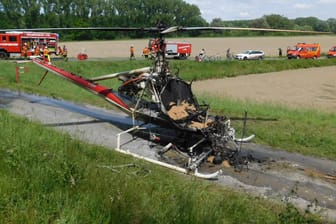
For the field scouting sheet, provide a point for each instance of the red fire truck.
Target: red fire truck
(178, 50)
(174, 49)
(11, 43)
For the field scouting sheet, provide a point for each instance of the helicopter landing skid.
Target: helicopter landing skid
(193, 163)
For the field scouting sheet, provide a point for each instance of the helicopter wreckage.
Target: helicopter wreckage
(155, 95)
(158, 96)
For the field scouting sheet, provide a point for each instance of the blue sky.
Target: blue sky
(252, 9)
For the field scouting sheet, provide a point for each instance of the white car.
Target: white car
(250, 55)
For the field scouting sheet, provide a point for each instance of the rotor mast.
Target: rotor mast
(161, 64)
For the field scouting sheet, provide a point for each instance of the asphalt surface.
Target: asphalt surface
(309, 183)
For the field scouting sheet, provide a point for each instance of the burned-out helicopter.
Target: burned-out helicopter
(157, 95)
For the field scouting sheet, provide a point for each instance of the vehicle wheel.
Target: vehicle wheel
(260, 58)
(3, 55)
(298, 57)
(183, 57)
(245, 58)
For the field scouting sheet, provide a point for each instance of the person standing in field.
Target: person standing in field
(280, 52)
(146, 52)
(37, 50)
(46, 54)
(228, 54)
(132, 57)
(65, 53)
(201, 55)
(25, 50)
(60, 51)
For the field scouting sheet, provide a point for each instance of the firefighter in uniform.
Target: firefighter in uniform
(25, 50)
(132, 53)
(60, 51)
(46, 54)
(146, 52)
(37, 50)
(65, 53)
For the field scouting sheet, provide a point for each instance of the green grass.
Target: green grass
(191, 70)
(49, 177)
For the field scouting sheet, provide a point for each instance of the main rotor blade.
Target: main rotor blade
(171, 29)
(165, 31)
(114, 75)
(253, 29)
(80, 28)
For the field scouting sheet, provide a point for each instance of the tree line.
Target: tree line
(275, 21)
(94, 13)
(16, 14)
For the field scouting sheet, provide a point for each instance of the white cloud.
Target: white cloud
(302, 6)
(244, 14)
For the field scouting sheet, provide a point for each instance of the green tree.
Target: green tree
(306, 21)
(217, 22)
(332, 24)
(322, 26)
(303, 27)
(278, 22)
(32, 15)
(13, 13)
(259, 23)
(133, 13)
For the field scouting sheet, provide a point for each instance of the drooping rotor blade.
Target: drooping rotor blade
(81, 28)
(171, 29)
(70, 28)
(252, 29)
(161, 30)
(114, 75)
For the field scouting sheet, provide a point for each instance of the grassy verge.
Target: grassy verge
(48, 177)
(207, 70)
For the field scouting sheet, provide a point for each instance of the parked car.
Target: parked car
(250, 55)
(332, 52)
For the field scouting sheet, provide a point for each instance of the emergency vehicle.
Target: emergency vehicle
(332, 52)
(178, 50)
(12, 43)
(174, 49)
(303, 50)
